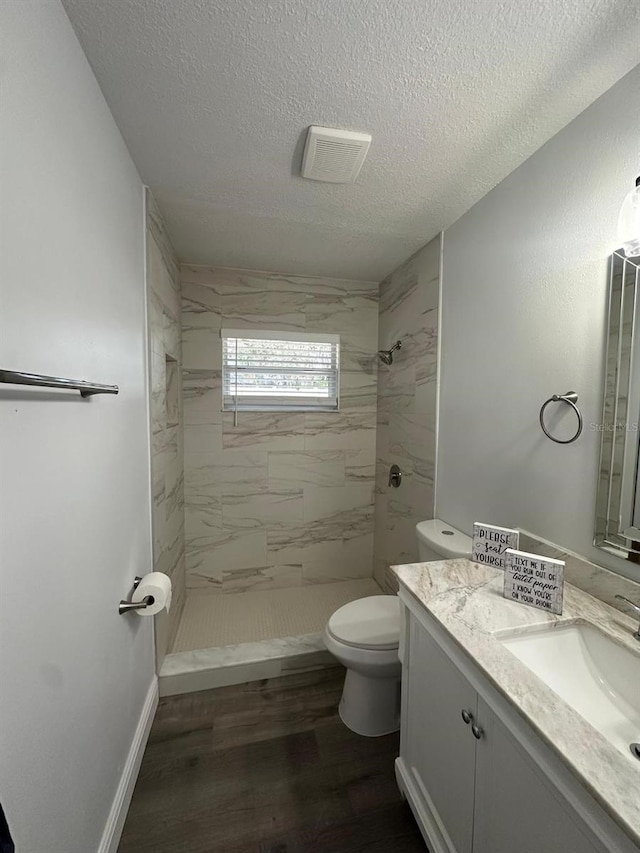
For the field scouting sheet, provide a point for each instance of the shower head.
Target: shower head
(386, 355)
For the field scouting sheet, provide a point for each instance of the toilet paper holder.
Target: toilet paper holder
(126, 606)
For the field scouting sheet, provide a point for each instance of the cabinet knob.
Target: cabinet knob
(467, 716)
(477, 731)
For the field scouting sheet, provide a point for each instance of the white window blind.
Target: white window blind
(280, 370)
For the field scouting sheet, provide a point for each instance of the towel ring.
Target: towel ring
(570, 398)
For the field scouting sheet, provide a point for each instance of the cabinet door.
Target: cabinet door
(516, 807)
(440, 748)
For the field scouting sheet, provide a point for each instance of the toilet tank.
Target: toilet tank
(440, 541)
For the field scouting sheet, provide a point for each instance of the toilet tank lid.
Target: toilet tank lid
(444, 539)
(372, 622)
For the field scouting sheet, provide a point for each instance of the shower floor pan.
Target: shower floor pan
(231, 638)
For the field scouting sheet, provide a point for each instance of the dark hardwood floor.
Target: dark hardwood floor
(266, 767)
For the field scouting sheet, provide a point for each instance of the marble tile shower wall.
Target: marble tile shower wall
(281, 499)
(406, 418)
(167, 466)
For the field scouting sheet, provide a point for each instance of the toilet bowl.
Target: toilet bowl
(364, 635)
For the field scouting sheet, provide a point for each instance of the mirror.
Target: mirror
(618, 498)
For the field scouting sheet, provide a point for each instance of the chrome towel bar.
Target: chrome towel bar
(86, 389)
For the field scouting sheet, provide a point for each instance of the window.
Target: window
(273, 371)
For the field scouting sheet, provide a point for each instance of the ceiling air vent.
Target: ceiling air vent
(334, 155)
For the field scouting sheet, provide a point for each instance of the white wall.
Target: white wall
(524, 317)
(75, 496)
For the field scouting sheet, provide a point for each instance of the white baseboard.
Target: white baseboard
(122, 799)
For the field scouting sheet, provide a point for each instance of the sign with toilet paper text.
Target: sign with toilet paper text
(490, 543)
(534, 580)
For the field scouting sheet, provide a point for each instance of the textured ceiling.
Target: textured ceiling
(213, 98)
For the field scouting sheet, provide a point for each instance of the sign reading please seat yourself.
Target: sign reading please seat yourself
(490, 543)
(534, 580)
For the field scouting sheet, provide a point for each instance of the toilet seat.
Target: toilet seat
(368, 623)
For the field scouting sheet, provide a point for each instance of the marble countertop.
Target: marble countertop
(466, 599)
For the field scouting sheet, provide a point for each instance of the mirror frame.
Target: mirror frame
(617, 523)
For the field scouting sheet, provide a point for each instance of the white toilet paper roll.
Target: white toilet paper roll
(157, 585)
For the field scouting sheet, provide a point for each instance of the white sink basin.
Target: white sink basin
(591, 672)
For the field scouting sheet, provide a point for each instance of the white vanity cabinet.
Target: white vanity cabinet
(478, 778)
(437, 747)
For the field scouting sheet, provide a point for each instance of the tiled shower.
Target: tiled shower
(406, 413)
(279, 499)
(166, 419)
(269, 521)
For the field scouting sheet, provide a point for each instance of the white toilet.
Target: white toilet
(364, 636)
(440, 541)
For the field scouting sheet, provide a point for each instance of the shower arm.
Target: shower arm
(386, 355)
